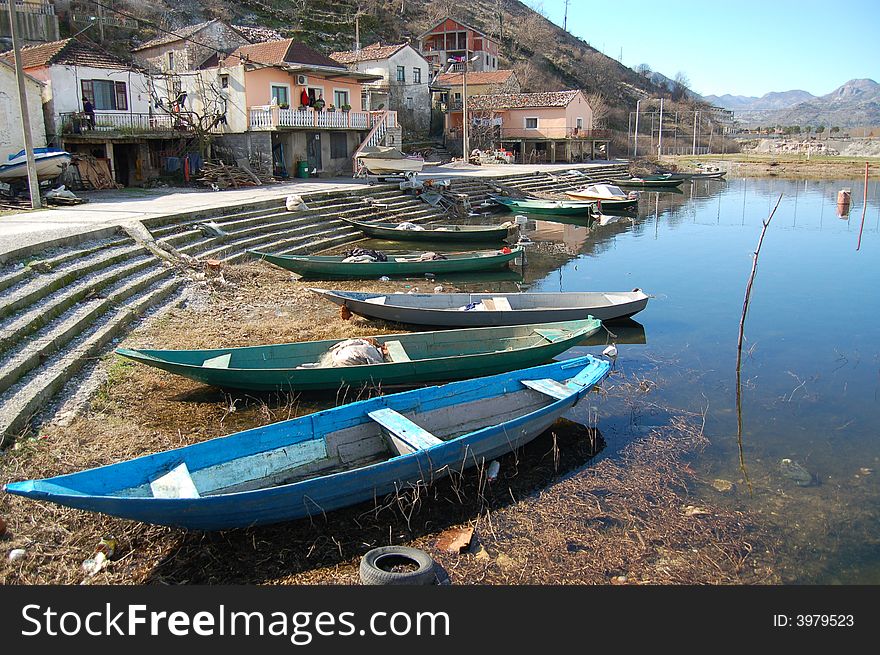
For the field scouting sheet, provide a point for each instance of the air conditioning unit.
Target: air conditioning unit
(302, 80)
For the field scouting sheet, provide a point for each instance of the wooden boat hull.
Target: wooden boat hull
(552, 207)
(640, 182)
(442, 310)
(377, 166)
(605, 203)
(240, 480)
(434, 233)
(433, 357)
(333, 268)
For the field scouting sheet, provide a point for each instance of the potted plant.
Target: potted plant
(284, 105)
(346, 107)
(331, 108)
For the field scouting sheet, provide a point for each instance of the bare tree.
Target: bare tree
(601, 109)
(644, 70)
(680, 86)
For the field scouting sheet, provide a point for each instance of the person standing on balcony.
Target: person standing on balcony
(89, 111)
(319, 103)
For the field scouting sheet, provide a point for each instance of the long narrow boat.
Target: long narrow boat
(408, 359)
(436, 233)
(319, 462)
(486, 309)
(332, 267)
(540, 206)
(715, 175)
(658, 181)
(606, 196)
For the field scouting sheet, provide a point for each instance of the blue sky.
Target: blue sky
(743, 48)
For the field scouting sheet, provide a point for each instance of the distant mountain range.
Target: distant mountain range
(853, 104)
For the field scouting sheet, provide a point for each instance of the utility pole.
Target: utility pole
(33, 181)
(100, 20)
(464, 110)
(357, 31)
(636, 131)
(696, 113)
(565, 20)
(660, 133)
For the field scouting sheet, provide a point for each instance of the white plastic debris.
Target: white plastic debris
(16, 554)
(493, 470)
(296, 203)
(438, 288)
(384, 278)
(211, 229)
(610, 351)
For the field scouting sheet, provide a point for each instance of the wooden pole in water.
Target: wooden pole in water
(864, 208)
(742, 322)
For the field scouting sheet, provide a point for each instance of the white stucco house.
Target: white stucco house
(404, 86)
(129, 129)
(11, 135)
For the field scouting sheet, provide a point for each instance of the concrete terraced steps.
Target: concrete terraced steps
(479, 189)
(60, 308)
(270, 227)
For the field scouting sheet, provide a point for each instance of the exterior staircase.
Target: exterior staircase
(385, 130)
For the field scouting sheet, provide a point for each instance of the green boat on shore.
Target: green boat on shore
(407, 359)
(333, 267)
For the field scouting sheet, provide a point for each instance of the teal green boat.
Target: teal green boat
(541, 206)
(333, 267)
(407, 359)
(649, 181)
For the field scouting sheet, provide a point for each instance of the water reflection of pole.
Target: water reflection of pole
(656, 213)
(864, 208)
(739, 343)
(745, 184)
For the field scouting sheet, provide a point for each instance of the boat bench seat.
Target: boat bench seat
(501, 304)
(406, 436)
(552, 335)
(396, 351)
(549, 387)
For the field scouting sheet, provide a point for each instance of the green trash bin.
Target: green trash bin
(302, 169)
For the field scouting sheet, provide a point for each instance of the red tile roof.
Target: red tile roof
(369, 53)
(67, 51)
(521, 100)
(484, 77)
(275, 53)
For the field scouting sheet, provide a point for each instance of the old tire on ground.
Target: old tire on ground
(376, 564)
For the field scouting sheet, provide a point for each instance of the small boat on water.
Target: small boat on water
(709, 175)
(334, 267)
(606, 196)
(312, 464)
(436, 233)
(486, 309)
(541, 206)
(400, 359)
(648, 181)
(50, 163)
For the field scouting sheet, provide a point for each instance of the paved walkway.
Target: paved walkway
(109, 208)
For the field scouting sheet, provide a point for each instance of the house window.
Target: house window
(487, 60)
(338, 145)
(224, 81)
(365, 105)
(280, 95)
(579, 124)
(105, 94)
(417, 75)
(315, 92)
(408, 103)
(457, 97)
(171, 60)
(401, 74)
(340, 98)
(532, 123)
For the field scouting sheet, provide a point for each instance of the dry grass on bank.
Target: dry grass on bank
(552, 516)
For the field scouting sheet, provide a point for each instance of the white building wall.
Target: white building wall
(205, 94)
(11, 136)
(65, 90)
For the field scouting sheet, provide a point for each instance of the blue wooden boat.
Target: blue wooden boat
(319, 462)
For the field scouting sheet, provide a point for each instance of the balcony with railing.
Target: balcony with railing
(112, 124)
(273, 117)
(497, 132)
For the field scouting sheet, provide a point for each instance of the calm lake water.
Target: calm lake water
(811, 373)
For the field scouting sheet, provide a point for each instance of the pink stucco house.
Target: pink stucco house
(537, 127)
